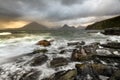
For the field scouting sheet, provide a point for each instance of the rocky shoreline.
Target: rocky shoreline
(94, 61)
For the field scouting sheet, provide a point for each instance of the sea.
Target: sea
(13, 45)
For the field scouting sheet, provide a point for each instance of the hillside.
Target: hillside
(109, 23)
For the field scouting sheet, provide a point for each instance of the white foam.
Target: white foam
(116, 53)
(114, 38)
(103, 52)
(99, 34)
(21, 45)
(5, 33)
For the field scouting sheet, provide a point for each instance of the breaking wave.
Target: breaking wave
(5, 33)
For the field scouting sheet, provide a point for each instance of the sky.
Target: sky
(16, 13)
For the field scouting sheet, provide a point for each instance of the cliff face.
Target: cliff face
(109, 23)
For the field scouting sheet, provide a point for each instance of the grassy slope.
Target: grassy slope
(109, 23)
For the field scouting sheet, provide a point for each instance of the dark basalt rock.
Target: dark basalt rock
(94, 70)
(112, 31)
(115, 76)
(114, 45)
(62, 51)
(39, 60)
(80, 55)
(40, 51)
(31, 75)
(108, 56)
(60, 61)
(44, 43)
(36, 52)
(63, 75)
(109, 59)
(91, 49)
(76, 43)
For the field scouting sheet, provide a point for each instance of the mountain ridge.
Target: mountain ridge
(33, 26)
(108, 23)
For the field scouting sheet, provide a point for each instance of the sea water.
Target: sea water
(15, 44)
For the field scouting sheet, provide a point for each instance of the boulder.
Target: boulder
(91, 49)
(94, 70)
(60, 61)
(44, 43)
(80, 55)
(39, 60)
(63, 75)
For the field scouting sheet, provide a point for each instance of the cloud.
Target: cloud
(86, 9)
(57, 11)
(72, 2)
(4, 13)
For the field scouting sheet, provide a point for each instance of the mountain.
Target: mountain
(109, 23)
(33, 26)
(67, 27)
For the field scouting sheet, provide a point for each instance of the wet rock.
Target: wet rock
(39, 60)
(115, 76)
(40, 51)
(20, 74)
(72, 43)
(76, 43)
(62, 51)
(63, 75)
(80, 55)
(46, 79)
(31, 75)
(94, 70)
(112, 31)
(44, 43)
(85, 69)
(36, 51)
(109, 59)
(91, 49)
(56, 62)
(108, 56)
(114, 45)
(82, 43)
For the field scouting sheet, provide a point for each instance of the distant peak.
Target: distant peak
(34, 26)
(34, 23)
(65, 25)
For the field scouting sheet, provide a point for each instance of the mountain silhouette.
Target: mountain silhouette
(108, 23)
(33, 26)
(67, 27)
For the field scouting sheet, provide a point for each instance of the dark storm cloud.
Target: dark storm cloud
(72, 2)
(84, 8)
(4, 13)
(58, 10)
